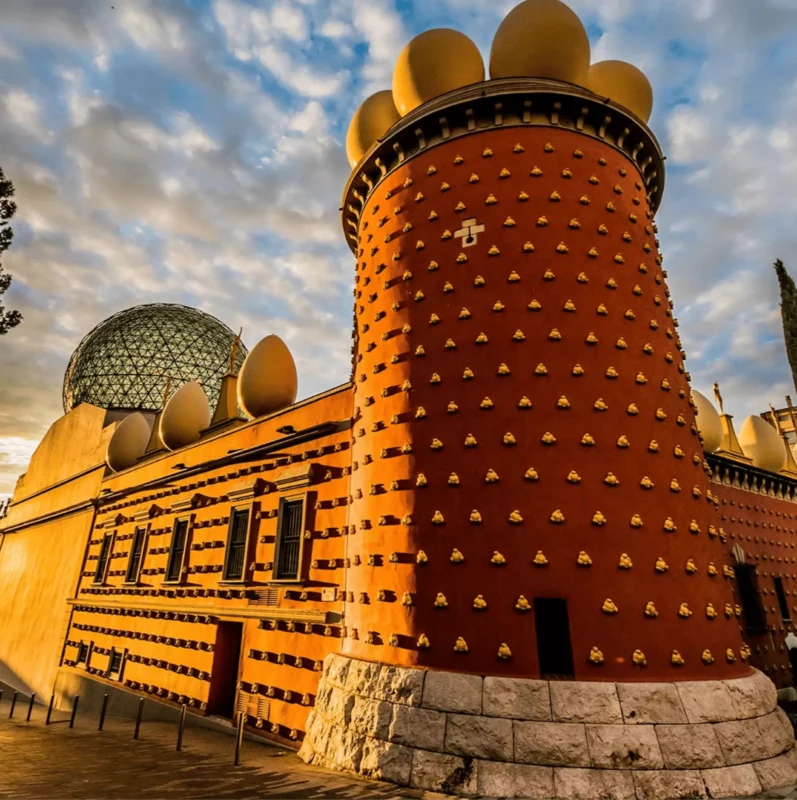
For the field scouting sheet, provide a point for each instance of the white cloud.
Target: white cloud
(24, 111)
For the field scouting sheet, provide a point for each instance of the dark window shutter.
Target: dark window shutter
(102, 560)
(236, 548)
(290, 539)
(135, 555)
(176, 551)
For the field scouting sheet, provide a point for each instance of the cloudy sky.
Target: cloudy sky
(192, 151)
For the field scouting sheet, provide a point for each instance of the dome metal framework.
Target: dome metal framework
(127, 361)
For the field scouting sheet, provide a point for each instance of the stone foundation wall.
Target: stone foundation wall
(508, 737)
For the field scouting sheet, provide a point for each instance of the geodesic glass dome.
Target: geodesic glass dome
(126, 360)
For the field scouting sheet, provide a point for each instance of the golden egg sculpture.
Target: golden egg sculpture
(185, 415)
(541, 39)
(129, 441)
(371, 120)
(761, 442)
(433, 63)
(267, 381)
(708, 422)
(624, 84)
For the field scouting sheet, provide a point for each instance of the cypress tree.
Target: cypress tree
(9, 318)
(788, 311)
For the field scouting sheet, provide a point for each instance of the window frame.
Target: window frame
(304, 498)
(189, 520)
(118, 673)
(760, 610)
(111, 539)
(783, 603)
(128, 581)
(89, 646)
(250, 509)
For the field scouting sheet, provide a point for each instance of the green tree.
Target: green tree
(788, 312)
(9, 318)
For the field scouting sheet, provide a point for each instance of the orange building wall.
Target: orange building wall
(408, 270)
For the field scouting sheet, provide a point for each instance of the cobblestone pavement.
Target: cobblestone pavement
(59, 762)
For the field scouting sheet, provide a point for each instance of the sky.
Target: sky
(191, 151)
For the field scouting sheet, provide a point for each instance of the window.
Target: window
(174, 567)
(553, 638)
(753, 608)
(236, 545)
(289, 539)
(136, 551)
(115, 661)
(784, 606)
(102, 559)
(82, 653)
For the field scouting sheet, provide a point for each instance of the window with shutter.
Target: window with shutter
(115, 661)
(236, 545)
(82, 653)
(136, 551)
(289, 539)
(177, 550)
(102, 560)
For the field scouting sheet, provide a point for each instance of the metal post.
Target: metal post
(30, 706)
(50, 709)
(13, 704)
(239, 738)
(102, 711)
(74, 711)
(138, 718)
(183, 709)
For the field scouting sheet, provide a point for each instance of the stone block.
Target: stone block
(362, 677)
(440, 773)
(417, 727)
(337, 710)
(386, 762)
(774, 773)
(624, 747)
(517, 698)
(646, 703)
(689, 746)
(349, 752)
(766, 688)
(556, 744)
(580, 701)
(336, 668)
(741, 741)
(668, 784)
(706, 701)
(370, 717)
(306, 751)
(593, 784)
(450, 691)
(777, 731)
(479, 737)
(731, 781)
(400, 685)
(747, 697)
(497, 779)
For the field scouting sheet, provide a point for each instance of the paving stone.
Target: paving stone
(706, 701)
(747, 697)
(450, 691)
(417, 727)
(479, 737)
(551, 743)
(580, 701)
(336, 668)
(689, 746)
(668, 784)
(742, 741)
(776, 729)
(593, 784)
(518, 698)
(624, 747)
(644, 703)
(387, 762)
(731, 781)
(441, 773)
(497, 779)
(400, 685)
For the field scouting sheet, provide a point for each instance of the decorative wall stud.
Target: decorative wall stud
(646, 483)
(598, 519)
(460, 646)
(531, 474)
(524, 402)
(515, 518)
(504, 652)
(437, 518)
(421, 557)
(609, 606)
(467, 374)
(676, 659)
(548, 275)
(650, 610)
(423, 641)
(583, 559)
(420, 481)
(557, 517)
(712, 570)
(478, 281)
(475, 517)
(595, 656)
(625, 562)
(479, 603)
(611, 479)
(491, 476)
(661, 565)
(573, 477)
(563, 403)
(683, 611)
(436, 444)
(638, 659)
(497, 559)
(636, 521)
(470, 440)
(456, 556)
(509, 439)
(453, 479)
(440, 601)
(452, 408)
(540, 560)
